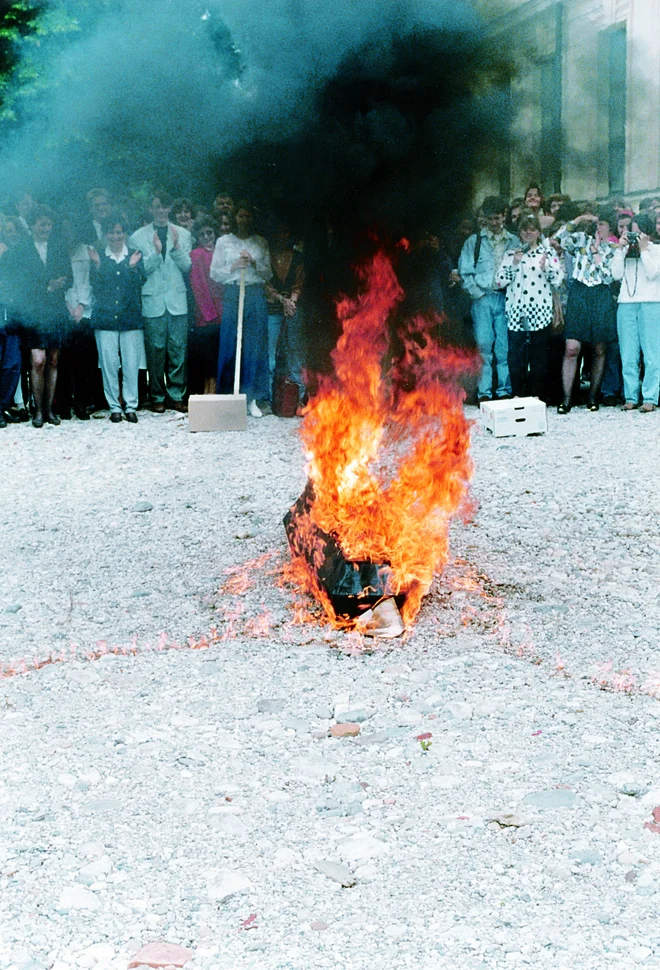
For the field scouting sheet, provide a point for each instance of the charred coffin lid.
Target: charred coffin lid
(353, 587)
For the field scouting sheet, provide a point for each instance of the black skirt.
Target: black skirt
(43, 336)
(590, 314)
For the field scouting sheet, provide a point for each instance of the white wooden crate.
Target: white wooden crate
(520, 416)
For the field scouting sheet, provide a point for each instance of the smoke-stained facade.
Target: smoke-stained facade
(585, 100)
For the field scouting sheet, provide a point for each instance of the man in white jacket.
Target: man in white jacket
(165, 252)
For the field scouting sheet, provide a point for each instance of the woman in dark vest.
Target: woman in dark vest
(117, 278)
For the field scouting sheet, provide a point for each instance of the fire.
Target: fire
(387, 443)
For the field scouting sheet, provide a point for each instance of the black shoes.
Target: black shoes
(81, 413)
(38, 419)
(482, 398)
(3, 422)
(593, 406)
(131, 417)
(563, 408)
(116, 417)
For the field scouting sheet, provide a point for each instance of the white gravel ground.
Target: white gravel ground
(172, 794)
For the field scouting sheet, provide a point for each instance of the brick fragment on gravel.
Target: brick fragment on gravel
(161, 955)
(344, 730)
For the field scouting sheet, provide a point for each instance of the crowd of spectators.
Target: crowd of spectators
(565, 300)
(108, 310)
(111, 310)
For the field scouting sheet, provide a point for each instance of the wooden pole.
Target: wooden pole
(239, 333)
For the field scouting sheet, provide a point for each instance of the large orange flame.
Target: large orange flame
(387, 442)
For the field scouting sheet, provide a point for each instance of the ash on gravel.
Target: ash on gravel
(496, 808)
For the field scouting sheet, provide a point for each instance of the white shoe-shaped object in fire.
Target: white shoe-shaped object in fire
(383, 620)
(254, 410)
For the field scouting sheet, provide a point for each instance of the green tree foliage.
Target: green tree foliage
(30, 30)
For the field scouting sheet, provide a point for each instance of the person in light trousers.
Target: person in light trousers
(637, 264)
(117, 280)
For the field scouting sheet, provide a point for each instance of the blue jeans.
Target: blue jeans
(254, 355)
(639, 332)
(10, 367)
(611, 386)
(291, 352)
(275, 321)
(491, 334)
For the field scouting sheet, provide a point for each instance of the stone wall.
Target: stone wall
(578, 32)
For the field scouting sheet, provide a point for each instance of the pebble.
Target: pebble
(270, 705)
(552, 798)
(361, 848)
(75, 897)
(586, 857)
(336, 872)
(100, 952)
(224, 884)
(459, 710)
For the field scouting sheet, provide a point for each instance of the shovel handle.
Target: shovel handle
(239, 333)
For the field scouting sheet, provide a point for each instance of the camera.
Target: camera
(633, 246)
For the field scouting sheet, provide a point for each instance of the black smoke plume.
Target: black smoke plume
(379, 109)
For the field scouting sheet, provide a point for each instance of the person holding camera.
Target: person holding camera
(590, 310)
(637, 264)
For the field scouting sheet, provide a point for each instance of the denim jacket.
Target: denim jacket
(480, 280)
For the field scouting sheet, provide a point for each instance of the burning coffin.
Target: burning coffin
(387, 456)
(352, 587)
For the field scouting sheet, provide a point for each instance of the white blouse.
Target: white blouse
(228, 249)
(81, 291)
(529, 287)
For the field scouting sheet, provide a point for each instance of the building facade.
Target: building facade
(585, 101)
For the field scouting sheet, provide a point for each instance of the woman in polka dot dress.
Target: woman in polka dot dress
(529, 274)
